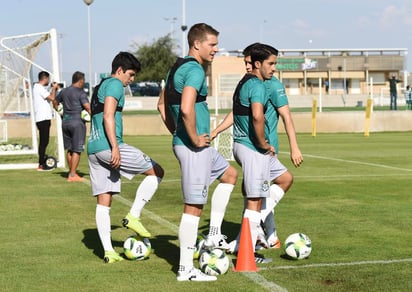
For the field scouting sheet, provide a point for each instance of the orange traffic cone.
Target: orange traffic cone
(245, 257)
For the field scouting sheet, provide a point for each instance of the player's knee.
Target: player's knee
(230, 176)
(159, 171)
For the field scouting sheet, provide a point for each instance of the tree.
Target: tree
(156, 59)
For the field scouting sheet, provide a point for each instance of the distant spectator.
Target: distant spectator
(393, 92)
(326, 86)
(408, 97)
(43, 114)
(74, 100)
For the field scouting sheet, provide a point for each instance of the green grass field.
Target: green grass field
(351, 196)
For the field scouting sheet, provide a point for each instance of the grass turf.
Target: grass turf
(351, 197)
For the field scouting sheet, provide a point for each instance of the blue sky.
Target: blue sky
(294, 24)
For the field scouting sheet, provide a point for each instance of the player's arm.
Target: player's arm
(109, 123)
(52, 95)
(258, 118)
(295, 154)
(226, 123)
(86, 107)
(187, 108)
(165, 112)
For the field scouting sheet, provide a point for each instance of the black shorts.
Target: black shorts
(74, 135)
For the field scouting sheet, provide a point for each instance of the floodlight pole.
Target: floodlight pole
(183, 27)
(88, 3)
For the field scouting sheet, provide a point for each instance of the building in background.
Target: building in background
(304, 72)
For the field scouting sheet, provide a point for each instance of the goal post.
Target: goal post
(21, 57)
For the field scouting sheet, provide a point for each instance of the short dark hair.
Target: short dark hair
(77, 76)
(126, 61)
(199, 31)
(43, 74)
(246, 51)
(261, 52)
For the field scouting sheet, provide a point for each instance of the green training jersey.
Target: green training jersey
(98, 140)
(187, 72)
(277, 98)
(249, 90)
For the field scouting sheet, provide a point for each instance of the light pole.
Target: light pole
(88, 3)
(183, 27)
(172, 25)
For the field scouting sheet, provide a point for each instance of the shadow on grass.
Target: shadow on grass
(230, 229)
(65, 173)
(92, 241)
(164, 248)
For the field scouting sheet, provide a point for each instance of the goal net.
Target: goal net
(22, 57)
(223, 142)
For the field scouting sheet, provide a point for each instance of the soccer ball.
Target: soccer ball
(60, 109)
(214, 262)
(298, 246)
(199, 247)
(85, 116)
(137, 248)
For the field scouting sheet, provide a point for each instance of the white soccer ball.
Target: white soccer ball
(199, 247)
(85, 116)
(137, 248)
(214, 262)
(298, 246)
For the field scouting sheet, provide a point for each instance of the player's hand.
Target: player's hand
(115, 160)
(213, 135)
(296, 158)
(202, 141)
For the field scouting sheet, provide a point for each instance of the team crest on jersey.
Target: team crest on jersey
(265, 186)
(204, 192)
(147, 158)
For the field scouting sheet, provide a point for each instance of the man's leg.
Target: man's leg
(103, 224)
(44, 135)
(220, 199)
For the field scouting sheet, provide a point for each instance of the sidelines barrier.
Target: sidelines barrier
(326, 122)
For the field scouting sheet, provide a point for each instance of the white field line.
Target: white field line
(256, 278)
(377, 262)
(356, 162)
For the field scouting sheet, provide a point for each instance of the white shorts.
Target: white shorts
(105, 179)
(276, 168)
(256, 170)
(199, 168)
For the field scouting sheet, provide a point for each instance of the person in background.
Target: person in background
(393, 90)
(74, 100)
(43, 113)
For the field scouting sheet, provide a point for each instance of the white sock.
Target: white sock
(254, 222)
(188, 227)
(276, 193)
(268, 216)
(267, 207)
(144, 194)
(269, 223)
(103, 226)
(220, 199)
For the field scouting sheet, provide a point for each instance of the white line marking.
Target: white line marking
(358, 162)
(263, 282)
(255, 277)
(380, 262)
(149, 214)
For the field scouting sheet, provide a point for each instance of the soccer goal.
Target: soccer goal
(223, 143)
(21, 58)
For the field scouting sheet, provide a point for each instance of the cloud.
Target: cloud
(393, 15)
(300, 25)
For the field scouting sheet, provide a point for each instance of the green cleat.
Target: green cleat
(111, 257)
(134, 223)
